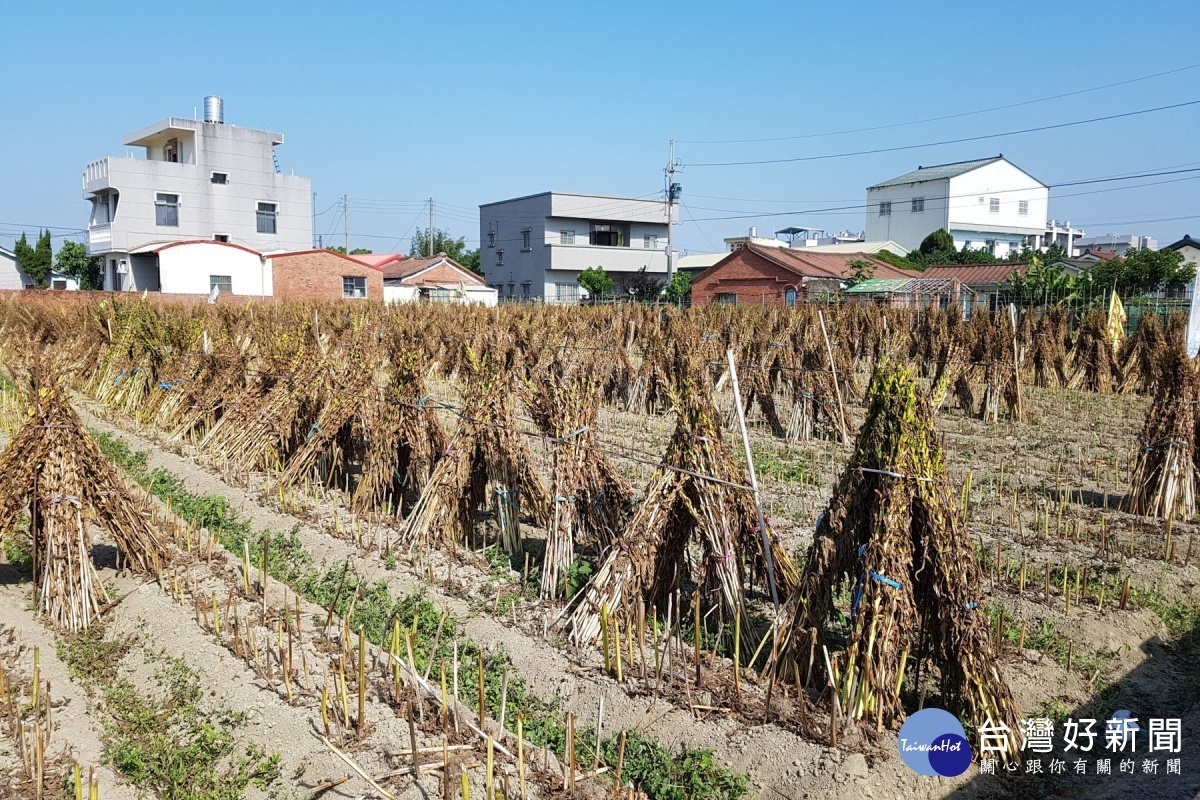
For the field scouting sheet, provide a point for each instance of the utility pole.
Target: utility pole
(346, 220)
(429, 247)
(674, 191)
(314, 215)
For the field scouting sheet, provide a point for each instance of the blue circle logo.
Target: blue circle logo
(933, 742)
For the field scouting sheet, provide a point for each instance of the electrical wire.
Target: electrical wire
(979, 138)
(944, 117)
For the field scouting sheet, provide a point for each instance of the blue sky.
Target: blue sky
(392, 103)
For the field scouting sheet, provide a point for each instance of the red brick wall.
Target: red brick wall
(317, 275)
(755, 280)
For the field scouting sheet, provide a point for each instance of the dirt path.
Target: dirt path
(777, 760)
(76, 728)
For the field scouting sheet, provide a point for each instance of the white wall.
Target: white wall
(971, 194)
(955, 204)
(483, 295)
(186, 268)
(905, 226)
(205, 208)
(11, 274)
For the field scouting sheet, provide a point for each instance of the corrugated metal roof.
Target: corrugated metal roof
(977, 274)
(879, 286)
(938, 172)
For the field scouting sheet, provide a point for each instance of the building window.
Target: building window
(220, 178)
(566, 292)
(525, 287)
(222, 282)
(990, 246)
(166, 210)
(354, 286)
(526, 239)
(440, 296)
(58, 283)
(1023, 208)
(605, 236)
(727, 298)
(171, 150)
(491, 238)
(918, 205)
(266, 217)
(994, 205)
(512, 290)
(650, 242)
(885, 208)
(220, 237)
(500, 257)
(566, 237)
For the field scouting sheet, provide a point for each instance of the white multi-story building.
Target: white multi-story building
(1116, 243)
(988, 203)
(534, 247)
(197, 180)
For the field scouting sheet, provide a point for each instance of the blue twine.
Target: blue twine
(314, 429)
(572, 435)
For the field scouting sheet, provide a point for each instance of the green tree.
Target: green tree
(596, 283)
(899, 262)
(358, 251)
(443, 242)
(679, 288)
(24, 253)
(939, 241)
(74, 262)
(861, 271)
(36, 261)
(1143, 271)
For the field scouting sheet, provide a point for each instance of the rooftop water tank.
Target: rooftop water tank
(214, 110)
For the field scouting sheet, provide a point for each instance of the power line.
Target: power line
(864, 206)
(945, 117)
(980, 138)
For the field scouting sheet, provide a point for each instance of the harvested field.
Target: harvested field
(524, 544)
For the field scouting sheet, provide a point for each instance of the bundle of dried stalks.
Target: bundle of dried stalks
(1164, 480)
(53, 467)
(485, 465)
(1095, 364)
(696, 497)
(590, 497)
(1140, 356)
(893, 536)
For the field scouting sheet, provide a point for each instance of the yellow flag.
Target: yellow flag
(1116, 320)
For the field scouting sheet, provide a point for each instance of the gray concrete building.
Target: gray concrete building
(197, 180)
(534, 247)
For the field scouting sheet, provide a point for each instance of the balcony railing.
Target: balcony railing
(95, 171)
(99, 236)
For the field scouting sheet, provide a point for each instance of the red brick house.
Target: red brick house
(324, 275)
(781, 276)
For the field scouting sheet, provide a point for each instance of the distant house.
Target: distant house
(535, 247)
(988, 203)
(1190, 248)
(323, 275)
(61, 282)
(988, 281)
(914, 293)
(194, 180)
(782, 276)
(1116, 243)
(193, 267)
(440, 279)
(11, 274)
